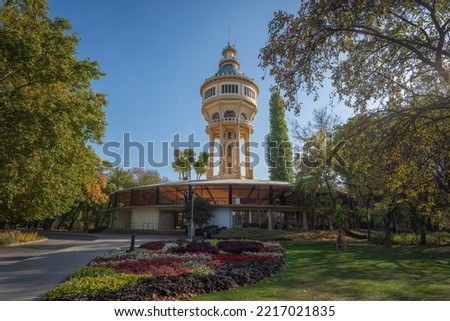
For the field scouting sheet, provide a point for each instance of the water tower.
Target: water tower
(229, 105)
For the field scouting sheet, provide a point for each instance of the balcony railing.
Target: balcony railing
(230, 119)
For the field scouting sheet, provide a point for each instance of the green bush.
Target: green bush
(90, 271)
(407, 239)
(9, 238)
(29, 236)
(438, 238)
(98, 229)
(93, 285)
(15, 236)
(253, 234)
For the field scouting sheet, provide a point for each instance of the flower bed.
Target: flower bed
(171, 271)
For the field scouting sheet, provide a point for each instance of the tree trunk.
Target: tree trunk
(413, 221)
(387, 229)
(74, 216)
(312, 226)
(369, 231)
(423, 231)
(47, 224)
(394, 221)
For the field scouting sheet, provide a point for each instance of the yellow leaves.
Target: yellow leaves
(94, 188)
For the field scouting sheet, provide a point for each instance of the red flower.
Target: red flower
(153, 246)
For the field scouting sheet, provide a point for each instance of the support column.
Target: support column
(221, 149)
(250, 169)
(305, 221)
(132, 200)
(237, 150)
(269, 220)
(270, 195)
(157, 196)
(247, 156)
(211, 155)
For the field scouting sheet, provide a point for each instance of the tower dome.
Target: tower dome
(229, 105)
(229, 65)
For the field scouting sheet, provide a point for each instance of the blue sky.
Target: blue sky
(156, 55)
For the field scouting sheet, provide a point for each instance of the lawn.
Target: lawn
(315, 271)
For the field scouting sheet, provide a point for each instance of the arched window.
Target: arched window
(243, 118)
(229, 136)
(229, 114)
(216, 117)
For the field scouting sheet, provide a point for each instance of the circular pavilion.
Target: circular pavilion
(236, 203)
(229, 105)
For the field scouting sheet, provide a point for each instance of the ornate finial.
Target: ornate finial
(229, 36)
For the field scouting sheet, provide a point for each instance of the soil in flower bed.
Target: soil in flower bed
(172, 271)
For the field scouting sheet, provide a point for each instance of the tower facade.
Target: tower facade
(229, 105)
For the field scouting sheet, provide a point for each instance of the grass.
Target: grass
(315, 271)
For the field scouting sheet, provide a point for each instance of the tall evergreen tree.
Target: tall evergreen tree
(278, 146)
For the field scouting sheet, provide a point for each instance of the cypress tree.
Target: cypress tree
(278, 146)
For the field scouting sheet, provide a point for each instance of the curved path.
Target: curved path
(28, 272)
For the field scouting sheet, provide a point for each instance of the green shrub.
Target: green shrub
(438, 238)
(213, 241)
(15, 236)
(98, 229)
(377, 238)
(29, 236)
(9, 238)
(253, 234)
(408, 239)
(405, 239)
(90, 271)
(93, 285)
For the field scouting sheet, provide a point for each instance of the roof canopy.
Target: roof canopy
(235, 192)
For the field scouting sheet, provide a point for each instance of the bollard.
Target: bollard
(133, 237)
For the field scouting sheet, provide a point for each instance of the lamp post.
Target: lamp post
(192, 213)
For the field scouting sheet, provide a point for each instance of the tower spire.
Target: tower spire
(229, 36)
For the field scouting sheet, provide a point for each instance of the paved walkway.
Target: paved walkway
(28, 272)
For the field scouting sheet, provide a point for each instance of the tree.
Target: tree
(91, 205)
(393, 55)
(202, 211)
(318, 181)
(201, 164)
(48, 113)
(184, 159)
(278, 146)
(367, 171)
(389, 61)
(141, 176)
(308, 194)
(185, 162)
(119, 178)
(396, 177)
(91, 208)
(382, 51)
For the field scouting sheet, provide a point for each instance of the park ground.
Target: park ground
(315, 270)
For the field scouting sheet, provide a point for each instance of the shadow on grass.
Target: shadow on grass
(315, 271)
